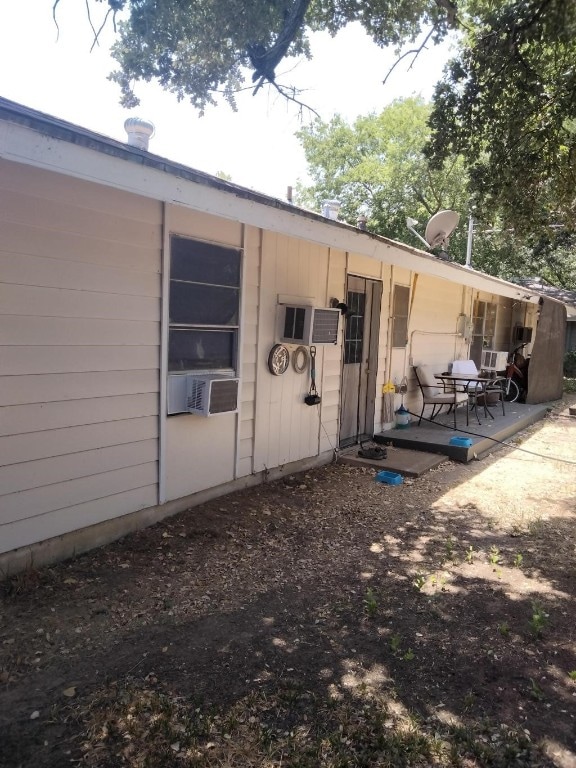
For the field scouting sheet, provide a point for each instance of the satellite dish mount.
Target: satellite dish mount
(438, 231)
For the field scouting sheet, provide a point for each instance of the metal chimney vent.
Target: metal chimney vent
(139, 132)
(330, 208)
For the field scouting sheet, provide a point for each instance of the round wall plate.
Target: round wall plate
(278, 359)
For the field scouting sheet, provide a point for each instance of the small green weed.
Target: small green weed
(494, 556)
(470, 555)
(419, 581)
(572, 675)
(450, 546)
(370, 603)
(469, 700)
(395, 641)
(535, 691)
(504, 629)
(518, 560)
(409, 655)
(538, 620)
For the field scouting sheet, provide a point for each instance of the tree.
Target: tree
(376, 166)
(198, 48)
(507, 104)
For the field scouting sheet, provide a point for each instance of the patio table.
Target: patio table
(480, 388)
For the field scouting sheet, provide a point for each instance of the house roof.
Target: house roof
(35, 138)
(564, 295)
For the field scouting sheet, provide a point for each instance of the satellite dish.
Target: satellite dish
(440, 227)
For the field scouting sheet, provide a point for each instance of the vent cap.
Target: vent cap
(139, 132)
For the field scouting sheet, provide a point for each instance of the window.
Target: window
(400, 308)
(484, 322)
(354, 333)
(204, 306)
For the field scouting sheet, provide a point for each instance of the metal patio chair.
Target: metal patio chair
(434, 393)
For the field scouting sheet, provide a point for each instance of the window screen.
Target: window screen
(400, 309)
(204, 306)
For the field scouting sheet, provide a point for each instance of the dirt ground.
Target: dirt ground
(322, 620)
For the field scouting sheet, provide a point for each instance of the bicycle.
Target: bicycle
(515, 375)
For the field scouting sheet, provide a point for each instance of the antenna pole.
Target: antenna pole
(469, 243)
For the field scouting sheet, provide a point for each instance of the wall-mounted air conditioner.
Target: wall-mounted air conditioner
(204, 395)
(493, 360)
(307, 325)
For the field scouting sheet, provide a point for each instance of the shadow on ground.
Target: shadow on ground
(324, 620)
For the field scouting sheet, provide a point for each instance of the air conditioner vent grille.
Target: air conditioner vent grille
(196, 394)
(325, 326)
(224, 396)
(209, 394)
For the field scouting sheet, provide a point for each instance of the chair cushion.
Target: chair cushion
(433, 391)
(427, 378)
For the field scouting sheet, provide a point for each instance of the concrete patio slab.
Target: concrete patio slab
(402, 460)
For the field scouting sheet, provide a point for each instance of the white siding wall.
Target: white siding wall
(432, 331)
(332, 371)
(79, 336)
(249, 339)
(286, 429)
(201, 452)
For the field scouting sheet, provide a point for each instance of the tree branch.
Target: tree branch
(415, 51)
(265, 61)
(285, 92)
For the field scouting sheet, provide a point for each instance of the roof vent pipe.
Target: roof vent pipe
(330, 208)
(139, 132)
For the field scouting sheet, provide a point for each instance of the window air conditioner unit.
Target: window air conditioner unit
(209, 395)
(493, 360)
(308, 325)
(204, 395)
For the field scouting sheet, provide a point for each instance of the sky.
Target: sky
(55, 72)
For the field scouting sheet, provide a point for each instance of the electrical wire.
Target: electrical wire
(495, 440)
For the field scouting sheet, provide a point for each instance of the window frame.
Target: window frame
(397, 318)
(225, 327)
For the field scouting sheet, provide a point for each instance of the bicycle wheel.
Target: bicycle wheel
(511, 391)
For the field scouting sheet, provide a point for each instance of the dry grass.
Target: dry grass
(143, 727)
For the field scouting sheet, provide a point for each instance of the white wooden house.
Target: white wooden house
(125, 278)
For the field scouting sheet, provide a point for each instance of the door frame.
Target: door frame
(358, 391)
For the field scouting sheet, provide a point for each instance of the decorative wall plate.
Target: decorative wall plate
(278, 359)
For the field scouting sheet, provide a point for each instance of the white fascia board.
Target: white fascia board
(22, 144)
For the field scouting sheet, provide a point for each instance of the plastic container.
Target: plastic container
(402, 418)
(462, 442)
(390, 478)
